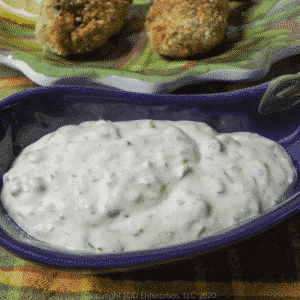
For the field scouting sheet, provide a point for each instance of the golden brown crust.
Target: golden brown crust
(181, 28)
(76, 26)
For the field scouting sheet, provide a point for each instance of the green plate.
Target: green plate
(258, 34)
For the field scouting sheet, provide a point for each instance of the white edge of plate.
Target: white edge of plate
(132, 84)
(140, 86)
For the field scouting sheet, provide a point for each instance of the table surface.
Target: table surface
(266, 266)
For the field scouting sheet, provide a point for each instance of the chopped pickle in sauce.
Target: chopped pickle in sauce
(107, 187)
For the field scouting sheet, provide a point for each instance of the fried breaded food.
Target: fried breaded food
(77, 26)
(181, 28)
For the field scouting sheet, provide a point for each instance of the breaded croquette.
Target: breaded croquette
(181, 28)
(78, 26)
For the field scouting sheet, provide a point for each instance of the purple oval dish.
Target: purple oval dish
(27, 116)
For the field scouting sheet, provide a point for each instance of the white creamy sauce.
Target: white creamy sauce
(125, 186)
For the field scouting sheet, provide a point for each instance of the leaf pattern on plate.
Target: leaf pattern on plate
(264, 35)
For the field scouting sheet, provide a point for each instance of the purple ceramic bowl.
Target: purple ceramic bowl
(27, 116)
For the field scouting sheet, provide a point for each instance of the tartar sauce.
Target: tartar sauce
(134, 185)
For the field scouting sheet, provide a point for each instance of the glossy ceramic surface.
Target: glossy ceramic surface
(27, 116)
